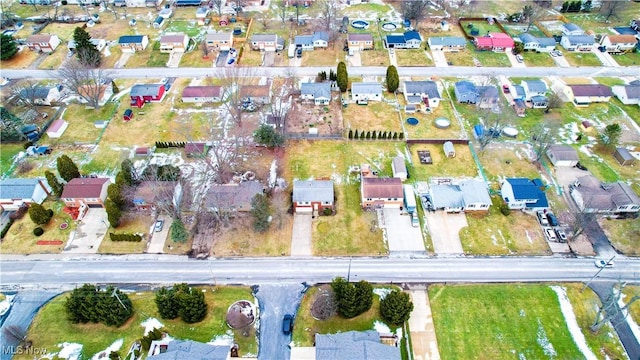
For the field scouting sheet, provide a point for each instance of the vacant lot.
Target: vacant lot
(582, 58)
(500, 161)
(304, 116)
(131, 223)
(622, 234)
(375, 58)
(239, 239)
(51, 327)
(462, 165)
(374, 116)
(412, 57)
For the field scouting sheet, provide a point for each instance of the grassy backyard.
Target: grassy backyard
(462, 165)
(81, 121)
(426, 128)
(623, 235)
(503, 161)
(51, 327)
(377, 115)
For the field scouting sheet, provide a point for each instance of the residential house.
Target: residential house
(466, 92)
(578, 42)
(571, 29)
(57, 128)
(232, 197)
(189, 2)
(354, 345)
(133, 43)
(422, 92)
(408, 40)
(320, 93)
(41, 95)
(498, 42)
(520, 107)
(627, 94)
(319, 39)
(144, 93)
(174, 42)
(584, 95)
(171, 349)
(524, 194)
(447, 43)
(539, 44)
(196, 149)
(80, 192)
(260, 94)
(43, 42)
(635, 25)
(219, 41)
(518, 92)
(102, 92)
(488, 96)
(138, 3)
(202, 15)
(312, 196)
(378, 192)
(592, 196)
(624, 157)
(539, 102)
(533, 88)
(468, 195)
(14, 193)
(617, 44)
(359, 42)
(366, 91)
(562, 155)
(267, 42)
(399, 168)
(202, 94)
(100, 44)
(149, 195)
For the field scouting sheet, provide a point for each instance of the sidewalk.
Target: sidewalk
(423, 333)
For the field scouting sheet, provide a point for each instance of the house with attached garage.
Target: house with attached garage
(219, 41)
(378, 192)
(319, 39)
(359, 42)
(202, 94)
(539, 44)
(312, 196)
(539, 102)
(571, 29)
(618, 44)
(90, 192)
(266, 42)
(366, 91)
(143, 93)
(174, 42)
(467, 195)
(422, 92)
(149, 195)
(466, 92)
(583, 95)
(408, 40)
(202, 15)
(355, 345)
(100, 44)
(593, 196)
(46, 43)
(133, 43)
(534, 88)
(232, 197)
(578, 42)
(260, 94)
(498, 42)
(524, 194)
(562, 155)
(14, 193)
(627, 94)
(171, 349)
(320, 93)
(447, 43)
(41, 95)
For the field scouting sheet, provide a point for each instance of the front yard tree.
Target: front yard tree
(393, 81)
(54, 184)
(611, 135)
(268, 136)
(67, 169)
(167, 302)
(87, 52)
(114, 192)
(38, 214)
(86, 82)
(261, 212)
(364, 294)
(342, 77)
(178, 232)
(396, 307)
(10, 126)
(352, 299)
(181, 301)
(113, 213)
(8, 47)
(128, 172)
(542, 138)
(89, 304)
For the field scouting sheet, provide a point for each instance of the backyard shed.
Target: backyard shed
(128, 115)
(449, 150)
(57, 128)
(624, 157)
(399, 168)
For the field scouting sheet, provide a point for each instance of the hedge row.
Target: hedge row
(170, 144)
(375, 135)
(5, 229)
(125, 237)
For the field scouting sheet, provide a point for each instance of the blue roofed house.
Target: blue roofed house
(41, 95)
(517, 92)
(466, 92)
(534, 88)
(524, 194)
(366, 91)
(319, 39)
(320, 93)
(468, 195)
(354, 345)
(16, 192)
(133, 43)
(187, 350)
(571, 29)
(312, 196)
(408, 40)
(578, 42)
(447, 43)
(422, 92)
(543, 44)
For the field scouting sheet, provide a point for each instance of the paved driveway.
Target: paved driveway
(174, 59)
(157, 239)
(423, 332)
(392, 57)
(445, 231)
(401, 235)
(514, 62)
(123, 60)
(605, 58)
(439, 58)
(355, 59)
(269, 58)
(89, 233)
(301, 235)
(561, 61)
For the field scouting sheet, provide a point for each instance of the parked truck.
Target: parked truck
(410, 205)
(292, 51)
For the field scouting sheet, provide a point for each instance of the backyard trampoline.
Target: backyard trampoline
(360, 24)
(412, 121)
(442, 123)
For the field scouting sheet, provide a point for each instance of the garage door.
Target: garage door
(94, 206)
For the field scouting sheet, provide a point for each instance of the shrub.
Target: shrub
(125, 237)
(504, 209)
(396, 307)
(327, 212)
(38, 231)
(50, 212)
(5, 229)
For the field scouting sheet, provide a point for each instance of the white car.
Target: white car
(550, 234)
(542, 218)
(604, 263)
(519, 58)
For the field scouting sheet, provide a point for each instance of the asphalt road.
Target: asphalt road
(353, 71)
(175, 269)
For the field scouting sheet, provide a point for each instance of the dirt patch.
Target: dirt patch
(581, 246)
(303, 116)
(324, 305)
(240, 314)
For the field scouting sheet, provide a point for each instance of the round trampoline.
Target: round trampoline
(360, 24)
(442, 123)
(412, 121)
(389, 26)
(510, 132)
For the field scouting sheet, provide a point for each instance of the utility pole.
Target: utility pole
(349, 271)
(597, 273)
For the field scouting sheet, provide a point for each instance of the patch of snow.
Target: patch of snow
(526, 232)
(572, 323)
(632, 324)
(150, 324)
(105, 353)
(381, 327)
(273, 174)
(382, 292)
(70, 351)
(522, 313)
(220, 340)
(544, 342)
(494, 240)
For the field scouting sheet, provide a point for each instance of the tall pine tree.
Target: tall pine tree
(67, 168)
(342, 77)
(393, 80)
(87, 53)
(54, 184)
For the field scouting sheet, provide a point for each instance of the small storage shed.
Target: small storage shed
(449, 150)
(624, 157)
(157, 24)
(399, 168)
(143, 151)
(128, 115)
(57, 128)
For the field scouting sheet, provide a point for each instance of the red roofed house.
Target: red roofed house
(43, 42)
(91, 192)
(499, 42)
(57, 128)
(378, 192)
(202, 94)
(584, 95)
(619, 43)
(144, 93)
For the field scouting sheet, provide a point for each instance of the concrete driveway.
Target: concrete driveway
(445, 231)
(295, 62)
(401, 235)
(89, 233)
(157, 239)
(301, 235)
(561, 61)
(123, 60)
(605, 58)
(439, 58)
(355, 59)
(423, 332)
(269, 58)
(513, 61)
(392, 57)
(174, 59)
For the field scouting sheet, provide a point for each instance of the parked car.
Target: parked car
(231, 61)
(519, 58)
(505, 89)
(550, 234)
(604, 263)
(542, 218)
(561, 235)
(287, 324)
(556, 53)
(553, 220)
(581, 167)
(159, 225)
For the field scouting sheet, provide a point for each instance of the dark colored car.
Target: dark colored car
(581, 167)
(553, 221)
(287, 324)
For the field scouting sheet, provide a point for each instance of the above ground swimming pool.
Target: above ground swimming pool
(389, 26)
(412, 121)
(442, 123)
(360, 24)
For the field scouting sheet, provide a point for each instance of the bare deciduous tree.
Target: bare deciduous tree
(542, 138)
(576, 220)
(280, 7)
(328, 13)
(217, 4)
(612, 8)
(89, 84)
(415, 10)
(27, 93)
(531, 13)
(232, 81)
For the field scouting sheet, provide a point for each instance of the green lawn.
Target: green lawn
(581, 59)
(492, 59)
(460, 58)
(412, 57)
(7, 153)
(51, 327)
(630, 59)
(536, 59)
(462, 165)
(609, 81)
(623, 234)
(368, 10)
(426, 127)
(180, 26)
(508, 322)
(81, 121)
(376, 115)
(482, 26)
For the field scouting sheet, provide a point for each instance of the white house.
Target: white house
(627, 94)
(533, 43)
(571, 29)
(219, 41)
(366, 91)
(174, 43)
(522, 193)
(16, 192)
(266, 42)
(533, 88)
(99, 44)
(319, 39)
(41, 95)
(583, 95)
(422, 92)
(447, 43)
(562, 155)
(578, 42)
(43, 42)
(619, 43)
(468, 195)
(320, 93)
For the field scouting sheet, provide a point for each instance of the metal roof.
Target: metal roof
(366, 88)
(18, 188)
(131, 39)
(447, 41)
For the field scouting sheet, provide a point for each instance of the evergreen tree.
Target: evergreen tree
(356, 135)
(342, 77)
(565, 7)
(362, 135)
(587, 6)
(128, 172)
(364, 295)
(374, 136)
(332, 75)
(350, 134)
(8, 47)
(167, 303)
(401, 135)
(261, 212)
(178, 232)
(348, 302)
(10, 126)
(88, 304)
(67, 168)
(395, 135)
(268, 136)
(87, 53)
(113, 213)
(396, 307)
(368, 135)
(611, 135)
(193, 308)
(393, 80)
(54, 184)
(352, 300)
(38, 214)
(114, 192)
